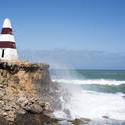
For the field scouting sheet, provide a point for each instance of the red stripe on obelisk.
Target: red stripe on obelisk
(7, 31)
(7, 44)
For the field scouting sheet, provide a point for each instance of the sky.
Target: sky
(69, 25)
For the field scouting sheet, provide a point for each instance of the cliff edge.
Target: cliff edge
(20, 85)
(29, 97)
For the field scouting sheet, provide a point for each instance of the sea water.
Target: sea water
(95, 94)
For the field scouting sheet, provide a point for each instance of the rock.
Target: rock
(35, 119)
(27, 94)
(7, 108)
(2, 93)
(79, 121)
(36, 108)
(1, 102)
(106, 117)
(3, 121)
(20, 84)
(5, 114)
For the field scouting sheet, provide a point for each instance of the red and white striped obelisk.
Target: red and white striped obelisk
(8, 49)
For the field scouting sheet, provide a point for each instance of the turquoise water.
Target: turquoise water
(103, 74)
(91, 74)
(111, 81)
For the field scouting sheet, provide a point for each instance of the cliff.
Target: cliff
(29, 97)
(21, 83)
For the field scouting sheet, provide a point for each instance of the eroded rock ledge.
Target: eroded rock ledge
(28, 96)
(20, 85)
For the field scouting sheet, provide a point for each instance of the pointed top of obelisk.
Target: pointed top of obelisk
(7, 23)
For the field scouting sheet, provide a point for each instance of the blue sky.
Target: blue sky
(91, 25)
(71, 24)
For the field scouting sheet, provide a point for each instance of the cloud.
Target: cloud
(78, 59)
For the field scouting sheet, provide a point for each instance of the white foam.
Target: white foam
(94, 105)
(96, 81)
(91, 104)
(7, 23)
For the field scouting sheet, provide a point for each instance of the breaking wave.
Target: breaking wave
(93, 98)
(95, 81)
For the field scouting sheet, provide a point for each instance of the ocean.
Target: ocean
(95, 94)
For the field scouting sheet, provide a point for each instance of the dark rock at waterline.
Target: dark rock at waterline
(80, 121)
(3, 121)
(106, 117)
(40, 119)
(34, 119)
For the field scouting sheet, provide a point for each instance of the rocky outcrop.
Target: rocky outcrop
(28, 96)
(21, 85)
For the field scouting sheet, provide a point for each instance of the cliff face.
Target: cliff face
(20, 88)
(19, 77)
(28, 96)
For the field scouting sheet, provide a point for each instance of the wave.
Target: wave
(91, 104)
(107, 99)
(89, 82)
(94, 105)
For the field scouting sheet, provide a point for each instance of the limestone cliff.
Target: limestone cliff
(28, 96)
(20, 85)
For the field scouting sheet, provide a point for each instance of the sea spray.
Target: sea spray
(92, 104)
